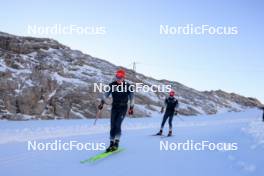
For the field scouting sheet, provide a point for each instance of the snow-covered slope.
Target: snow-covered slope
(41, 78)
(142, 155)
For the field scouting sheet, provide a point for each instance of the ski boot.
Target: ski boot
(110, 148)
(170, 133)
(116, 145)
(159, 133)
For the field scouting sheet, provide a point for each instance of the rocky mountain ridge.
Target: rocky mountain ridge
(43, 79)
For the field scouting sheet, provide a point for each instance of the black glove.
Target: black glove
(162, 110)
(130, 111)
(101, 105)
(176, 113)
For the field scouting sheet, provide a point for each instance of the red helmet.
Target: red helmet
(120, 73)
(172, 93)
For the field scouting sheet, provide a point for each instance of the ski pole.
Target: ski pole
(97, 116)
(180, 118)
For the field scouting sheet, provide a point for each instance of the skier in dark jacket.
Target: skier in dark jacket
(171, 103)
(121, 92)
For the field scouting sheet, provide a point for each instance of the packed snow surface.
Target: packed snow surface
(142, 155)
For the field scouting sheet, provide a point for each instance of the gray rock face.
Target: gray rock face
(26, 45)
(43, 79)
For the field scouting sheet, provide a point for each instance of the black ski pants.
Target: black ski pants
(168, 115)
(118, 114)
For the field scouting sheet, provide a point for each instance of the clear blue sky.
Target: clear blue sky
(232, 63)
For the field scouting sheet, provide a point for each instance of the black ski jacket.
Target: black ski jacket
(171, 103)
(121, 93)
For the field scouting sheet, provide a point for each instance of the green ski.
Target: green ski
(101, 156)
